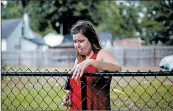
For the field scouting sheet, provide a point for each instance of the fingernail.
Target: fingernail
(75, 79)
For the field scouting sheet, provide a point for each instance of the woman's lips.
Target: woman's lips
(79, 49)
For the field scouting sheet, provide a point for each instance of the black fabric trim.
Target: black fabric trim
(67, 84)
(83, 93)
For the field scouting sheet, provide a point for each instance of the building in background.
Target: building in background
(105, 39)
(129, 42)
(14, 36)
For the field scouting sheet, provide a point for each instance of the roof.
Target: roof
(65, 45)
(126, 42)
(68, 38)
(38, 39)
(8, 26)
(67, 42)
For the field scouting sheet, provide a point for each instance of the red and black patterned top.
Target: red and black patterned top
(93, 95)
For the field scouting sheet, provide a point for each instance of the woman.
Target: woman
(94, 95)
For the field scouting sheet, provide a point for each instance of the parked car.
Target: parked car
(167, 63)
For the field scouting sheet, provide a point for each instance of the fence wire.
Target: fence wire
(28, 90)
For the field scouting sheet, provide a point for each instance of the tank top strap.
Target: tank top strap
(94, 56)
(91, 68)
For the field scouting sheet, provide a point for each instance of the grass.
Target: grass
(30, 93)
(46, 93)
(145, 96)
(33, 98)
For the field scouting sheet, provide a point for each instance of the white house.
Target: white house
(13, 39)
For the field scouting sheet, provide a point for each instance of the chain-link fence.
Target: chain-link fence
(44, 90)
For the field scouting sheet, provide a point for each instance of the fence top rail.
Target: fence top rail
(127, 73)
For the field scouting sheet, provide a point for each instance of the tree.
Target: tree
(166, 17)
(157, 22)
(121, 20)
(108, 17)
(58, 15)
(13, 9)
(129, 19)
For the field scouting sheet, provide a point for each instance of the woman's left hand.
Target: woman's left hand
(79, 69)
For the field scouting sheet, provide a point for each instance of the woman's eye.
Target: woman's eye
(74, 41)
(81, 41)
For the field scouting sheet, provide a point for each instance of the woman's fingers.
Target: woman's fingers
(72, 70)
(77, 71)
(77, 74)
(64, 102)
(81, 72)
(67, 101)
(74, 73)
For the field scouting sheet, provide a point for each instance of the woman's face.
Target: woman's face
(82, 44)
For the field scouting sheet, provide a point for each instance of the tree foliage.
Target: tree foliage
(120, 20)
(109, 18)
(13, 9)
(158, 21)
(151, 20)
(57, 14)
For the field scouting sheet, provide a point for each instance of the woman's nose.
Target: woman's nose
(77, 45)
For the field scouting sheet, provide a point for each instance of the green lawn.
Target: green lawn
(43, 93)
(46, 93)
(153, 95)
(36, 98)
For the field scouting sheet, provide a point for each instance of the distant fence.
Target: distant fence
(50, 58)
(128, 90)
(143, 56)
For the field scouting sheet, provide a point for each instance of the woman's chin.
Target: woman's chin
(81, 53)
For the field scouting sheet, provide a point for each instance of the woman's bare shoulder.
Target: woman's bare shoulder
(105, 55)
(101, 53)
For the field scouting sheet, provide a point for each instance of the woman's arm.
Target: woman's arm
(105, 61)
(103, 65)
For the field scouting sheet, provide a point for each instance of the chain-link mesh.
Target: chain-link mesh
(28, 90)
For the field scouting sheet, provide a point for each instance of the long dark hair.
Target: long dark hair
(88, 30)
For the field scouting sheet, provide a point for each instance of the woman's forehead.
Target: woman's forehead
(78, 36)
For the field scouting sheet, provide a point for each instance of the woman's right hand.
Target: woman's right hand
(67, 100)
